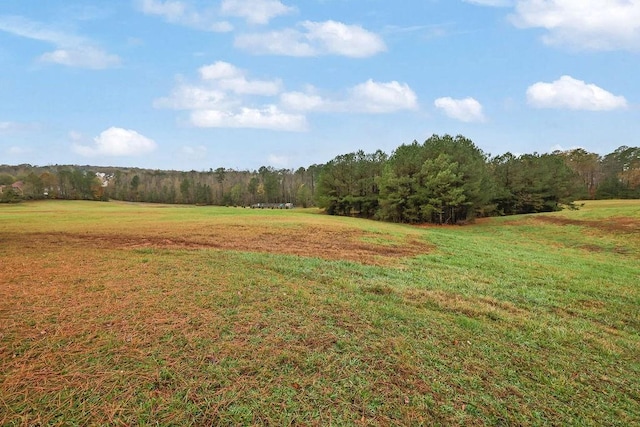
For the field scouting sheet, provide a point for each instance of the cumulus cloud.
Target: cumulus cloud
(219, 70)
(116, 142)
(229, 78)
(583, 24)
(374, 97)
(219, 85)
(367, 97)
(270, 117)
(224, 98)
(347, 40)
(70, 50)
(573, 94)
(465, 110)
(255, 11)
(182, 13)
(315, 39)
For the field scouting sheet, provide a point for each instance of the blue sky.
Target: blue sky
(195, 84)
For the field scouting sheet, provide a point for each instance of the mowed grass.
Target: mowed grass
(127, 314)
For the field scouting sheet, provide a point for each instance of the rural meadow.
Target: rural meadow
(126, 313)
(319, 213)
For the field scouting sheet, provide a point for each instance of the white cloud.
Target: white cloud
(83, 57)
(219, 70)
(191, 97)
(222, 98)
(583, 24)
(229, 78)
(22, 27)
(116, 142)
(71, 50)
(287, 42)
(255, 11)
(300, 101)
(180, 12)
(573, 94)
(317, 38)
(241, 85)
(270, 117)
(465, 110)
(374, 97)
(225, 97)
(219, 89)
(367, 97)
(492, 3)
(348, 40)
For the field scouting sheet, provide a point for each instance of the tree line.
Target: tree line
(444, 180)
(448, 180)
(213, 187)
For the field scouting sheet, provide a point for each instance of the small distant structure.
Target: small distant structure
(17, 187)
(12, 193)
(272, 206)
(104, 178)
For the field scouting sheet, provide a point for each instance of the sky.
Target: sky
(240, 84)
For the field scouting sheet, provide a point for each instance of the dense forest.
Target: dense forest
(443, 180)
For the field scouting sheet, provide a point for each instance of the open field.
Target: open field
(128, 314)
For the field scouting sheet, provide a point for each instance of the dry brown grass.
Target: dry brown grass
(615, 225)
(312, 241)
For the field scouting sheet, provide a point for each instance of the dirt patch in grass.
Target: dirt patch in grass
(592, 248)
(476, 307)
(616, 224)
(325, 243)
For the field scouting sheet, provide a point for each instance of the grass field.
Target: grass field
(132, 314)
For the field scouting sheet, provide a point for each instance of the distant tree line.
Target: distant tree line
(444, 180)
(214, 187)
